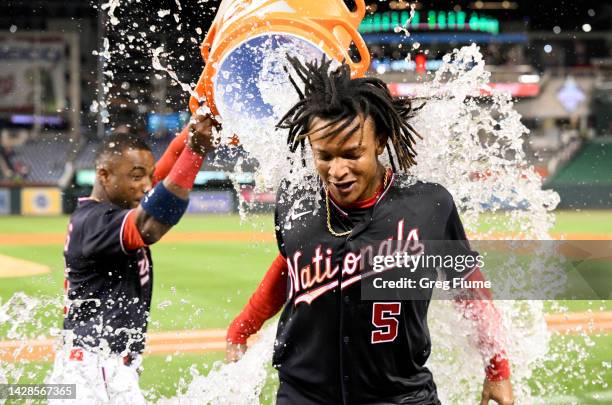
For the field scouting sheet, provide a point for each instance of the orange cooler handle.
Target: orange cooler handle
(208, 40)
(357, 15)
(358, 67)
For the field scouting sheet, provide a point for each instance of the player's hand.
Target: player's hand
(498, 391)
(201, 136)
(234, 352)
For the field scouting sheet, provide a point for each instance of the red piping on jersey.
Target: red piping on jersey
(385, 191)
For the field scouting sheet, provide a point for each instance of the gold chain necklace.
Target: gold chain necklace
(329, 227)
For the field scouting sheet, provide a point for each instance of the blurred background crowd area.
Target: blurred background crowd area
(73, 72)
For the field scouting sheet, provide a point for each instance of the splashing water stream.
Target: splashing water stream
(461, 136)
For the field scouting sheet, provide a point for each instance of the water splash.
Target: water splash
(238, 383)
(156, 55)
(112, 6)
(24, 319)
(463, 140)
(404, 28)
(476, 151)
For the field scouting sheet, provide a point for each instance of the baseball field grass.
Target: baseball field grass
(205, 270)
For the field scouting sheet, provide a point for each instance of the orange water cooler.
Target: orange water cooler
(243, 35)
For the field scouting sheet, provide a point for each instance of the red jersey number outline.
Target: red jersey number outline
(384, 316)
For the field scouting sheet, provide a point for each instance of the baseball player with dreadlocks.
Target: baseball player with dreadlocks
(332, 347)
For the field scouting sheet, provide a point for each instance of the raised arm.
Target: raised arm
(171, 155)
(165, 204)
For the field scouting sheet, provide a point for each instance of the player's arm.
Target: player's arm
(265, 302)
(164, 165)
(477, 305)
(166, 203)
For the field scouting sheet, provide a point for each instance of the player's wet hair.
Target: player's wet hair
(115, 144)
(331, 94)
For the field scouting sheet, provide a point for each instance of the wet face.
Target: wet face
(127, 177)
(348, 167)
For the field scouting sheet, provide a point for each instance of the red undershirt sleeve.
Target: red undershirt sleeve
(170, 156)
(478, 306)
(265, 302)
(131, 237)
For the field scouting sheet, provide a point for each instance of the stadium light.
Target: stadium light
(431, 20)
(528, 79)
(494, 5)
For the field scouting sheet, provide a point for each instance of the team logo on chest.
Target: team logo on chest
(322, 274)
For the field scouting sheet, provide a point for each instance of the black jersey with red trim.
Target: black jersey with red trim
(109, 288)
(332, 346)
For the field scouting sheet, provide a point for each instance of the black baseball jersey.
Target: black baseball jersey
(109, 288)
(332, 347)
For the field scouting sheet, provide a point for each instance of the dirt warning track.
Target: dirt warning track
(12, 267)
(213, 340)
(37, 239)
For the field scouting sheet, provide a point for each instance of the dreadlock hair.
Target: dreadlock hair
(334, 96)
(115, 144)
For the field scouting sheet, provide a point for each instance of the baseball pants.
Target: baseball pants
(98, 379)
